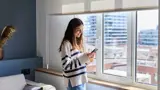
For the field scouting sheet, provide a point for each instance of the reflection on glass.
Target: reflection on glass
(115, 43)
(147, 46)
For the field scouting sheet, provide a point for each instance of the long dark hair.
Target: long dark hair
(69, 34)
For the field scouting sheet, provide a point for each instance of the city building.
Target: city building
(90, 30)
(115, 29)
(148, 37)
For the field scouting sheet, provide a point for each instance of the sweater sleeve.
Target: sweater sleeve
(69, 61)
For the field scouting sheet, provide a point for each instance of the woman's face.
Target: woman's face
(78, 31)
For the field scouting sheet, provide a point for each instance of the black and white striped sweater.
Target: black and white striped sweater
(73, 63)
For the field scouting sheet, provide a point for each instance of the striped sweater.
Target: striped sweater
(74, 65)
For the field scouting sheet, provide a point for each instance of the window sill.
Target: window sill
(93, 81)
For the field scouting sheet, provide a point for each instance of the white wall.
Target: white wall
(56, 81)
(57, 27)
(40, 25)
(43, 9)
(139, 3)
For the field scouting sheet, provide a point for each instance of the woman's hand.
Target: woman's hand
(91, 56)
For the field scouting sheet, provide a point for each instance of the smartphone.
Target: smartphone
(95, 50)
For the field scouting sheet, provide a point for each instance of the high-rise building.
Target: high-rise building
(148, 37)
(115, 28)
(90, 30)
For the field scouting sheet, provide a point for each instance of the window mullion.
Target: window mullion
(99, 44)
(133, 48)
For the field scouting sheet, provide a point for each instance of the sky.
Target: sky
(147, 19)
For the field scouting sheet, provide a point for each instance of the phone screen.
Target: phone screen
(95, 50)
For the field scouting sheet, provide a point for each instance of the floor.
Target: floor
(99, 87)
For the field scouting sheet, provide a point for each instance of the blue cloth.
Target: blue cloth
(79, 87)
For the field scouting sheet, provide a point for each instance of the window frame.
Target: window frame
(131, 59)
(99, 60)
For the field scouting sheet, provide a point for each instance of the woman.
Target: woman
(74, 59)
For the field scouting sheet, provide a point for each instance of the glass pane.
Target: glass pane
(90, 30)
(115, 43)
(147, 46)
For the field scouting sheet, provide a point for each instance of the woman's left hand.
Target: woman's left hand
(91, 56)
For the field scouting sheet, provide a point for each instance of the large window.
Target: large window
(147, 46)
(117, 30)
